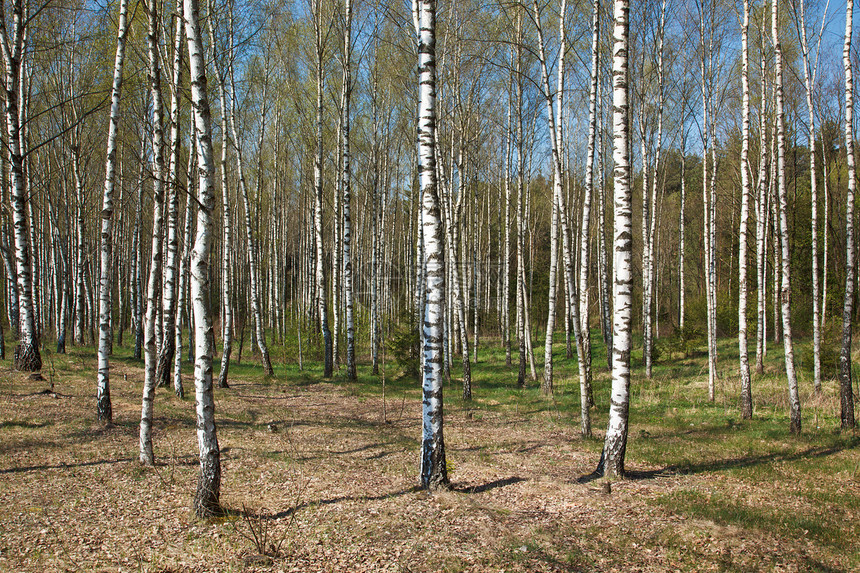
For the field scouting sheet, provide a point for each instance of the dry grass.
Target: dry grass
(336, 486)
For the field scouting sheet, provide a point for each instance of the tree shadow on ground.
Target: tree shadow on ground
(414, 489)
(814, 452)
(62, 466)
(489, 486)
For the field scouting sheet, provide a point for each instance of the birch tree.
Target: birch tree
(27, 355)
(152, 306)
(846, 395)
(227, 225)
(746, 389)
(171, 262)
(585, 417)
(809, 77)
(434, 473)
(347, 194)
(321, 294)
(104, 412)
(615, 444)
(207, 496)
(785, 283)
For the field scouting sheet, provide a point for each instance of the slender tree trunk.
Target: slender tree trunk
(321, 294)
(347, 196)
(27, 355)
(104, 412)
(682, 233)
(138, 260)
(746, 388)
(183, 277)
(584, 264)
(846, 394)
(785, 284)
(547, 385)
(207, 497)
(434, 473)
(521, 236)
(761, 232)
(227, 226)
(253, 271)
(169, 295)
(152, 306)
(506, 263)
(708, 206)
(603, 262)
(615, 444)
(809, 82)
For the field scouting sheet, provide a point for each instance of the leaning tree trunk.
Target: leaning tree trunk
(615, 444)
(809, 82)
(207, 497)
(104, 412)
(253, 270)
(746, 389)
(547, 385)
(27, 355)
(434, 473)
(152, 306)
(846, 396)
(785, 284)
(584, 264)
(555, 125)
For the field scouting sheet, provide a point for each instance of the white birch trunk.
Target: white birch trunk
(104, 412)
(615, 444)
(433, 464)
(746, 191)
(169, 294)
(321, 295)
(27, 355)
(708, 207)
(809, 83)
(761, 232)
(253, 270)
(347, 196)
(178, 387)
(785, 283)
(227, 227)
(152, 306)
(207, 497)
(584, 327)
(846, 396)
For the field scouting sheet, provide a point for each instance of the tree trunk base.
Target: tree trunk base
(27, 358)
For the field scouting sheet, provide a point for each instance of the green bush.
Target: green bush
(404, 343)
(683, 341)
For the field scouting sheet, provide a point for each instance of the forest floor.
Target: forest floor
(327, 472)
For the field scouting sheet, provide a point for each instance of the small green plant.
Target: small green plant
(683, 341)
(403, 344)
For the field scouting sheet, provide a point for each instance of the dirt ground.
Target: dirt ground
(314, 468)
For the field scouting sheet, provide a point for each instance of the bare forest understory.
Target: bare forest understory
(327, 474)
